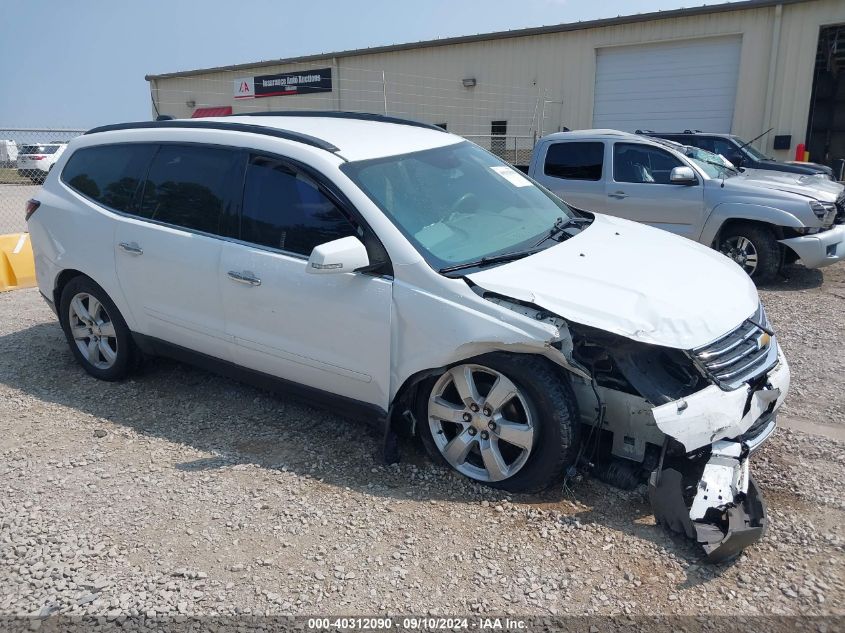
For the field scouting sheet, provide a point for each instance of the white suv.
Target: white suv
(36, 161)
(408, 277)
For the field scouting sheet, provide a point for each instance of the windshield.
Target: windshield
(458, 204)
(751, 151)
(714, 165)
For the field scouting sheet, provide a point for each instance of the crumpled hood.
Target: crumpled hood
(633, 280)
(801, 184)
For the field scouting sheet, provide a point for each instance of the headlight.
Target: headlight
(821, 209)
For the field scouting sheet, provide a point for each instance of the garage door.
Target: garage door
(689, 84)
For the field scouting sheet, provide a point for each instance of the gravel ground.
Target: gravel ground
(808, 313)
(179, 492)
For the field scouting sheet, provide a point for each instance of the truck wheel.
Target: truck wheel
(509, 421)
(754, 248)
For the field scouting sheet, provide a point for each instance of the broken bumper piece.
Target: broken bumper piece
(712, 500)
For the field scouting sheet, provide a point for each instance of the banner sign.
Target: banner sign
(244, 88)
(298, 83)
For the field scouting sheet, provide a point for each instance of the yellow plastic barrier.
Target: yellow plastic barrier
(17, 265)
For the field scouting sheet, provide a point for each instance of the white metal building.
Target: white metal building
(742, 67)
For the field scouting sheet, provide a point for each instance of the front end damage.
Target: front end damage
(688, 422)
(677, 374)
(684, 421)
(713, 500)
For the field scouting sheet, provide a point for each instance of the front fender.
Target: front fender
(721, 213)
(430, 331)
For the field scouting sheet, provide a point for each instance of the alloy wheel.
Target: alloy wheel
(92, 330)
(481, 422)
(742, 251)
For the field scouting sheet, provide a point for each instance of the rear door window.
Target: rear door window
(190, 186)
(286, 210)
(109, 174)
(575, 161)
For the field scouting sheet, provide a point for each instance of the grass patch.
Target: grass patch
(9, 176)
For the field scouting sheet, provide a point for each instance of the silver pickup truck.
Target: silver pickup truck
(760, 220)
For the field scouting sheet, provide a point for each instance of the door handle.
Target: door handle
(246, 277)
(132, 248)
(619, 195)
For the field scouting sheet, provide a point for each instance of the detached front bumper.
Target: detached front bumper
(713, 501)
(821, 249)
(708, 494)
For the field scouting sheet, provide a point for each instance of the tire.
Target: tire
(538, 416)
(742, 241)
(110, 353)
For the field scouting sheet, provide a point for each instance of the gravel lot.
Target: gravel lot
(179, 492)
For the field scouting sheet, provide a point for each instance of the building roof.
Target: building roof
(742, 5)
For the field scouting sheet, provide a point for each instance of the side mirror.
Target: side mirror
(345, 255)
(682, 176)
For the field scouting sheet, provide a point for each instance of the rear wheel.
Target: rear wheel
(506, 421)
(754, 248)
(95, 330)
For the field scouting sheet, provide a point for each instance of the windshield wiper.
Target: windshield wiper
(559, 227)
(492, 259)
(720, 165)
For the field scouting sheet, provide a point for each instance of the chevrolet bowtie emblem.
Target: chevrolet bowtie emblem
(764, 340)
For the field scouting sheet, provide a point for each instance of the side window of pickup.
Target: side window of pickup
(575, 161)
(646, 164)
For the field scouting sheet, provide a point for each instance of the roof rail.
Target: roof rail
(342, 114)
(306, 139)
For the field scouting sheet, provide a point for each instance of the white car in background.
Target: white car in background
(35, 161)
(406, 276)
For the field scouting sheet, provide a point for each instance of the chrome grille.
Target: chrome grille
(840, 210)
(741, 354)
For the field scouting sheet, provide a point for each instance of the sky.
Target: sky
(80, 63)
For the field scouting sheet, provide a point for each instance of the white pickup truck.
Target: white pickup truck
(759, 219)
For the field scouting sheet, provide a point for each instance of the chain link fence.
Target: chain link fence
(26, 156)
(506, 120)
(515, 150)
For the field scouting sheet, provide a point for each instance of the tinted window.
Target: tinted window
(187, 186)
(575, 161)
(727, 149)
(284, 209)
(108, 174)
(683, 139)
(633, 162)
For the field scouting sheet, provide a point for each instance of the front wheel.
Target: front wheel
(754, 248)
(507, 421)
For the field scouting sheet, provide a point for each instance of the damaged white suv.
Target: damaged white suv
(410, 278)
